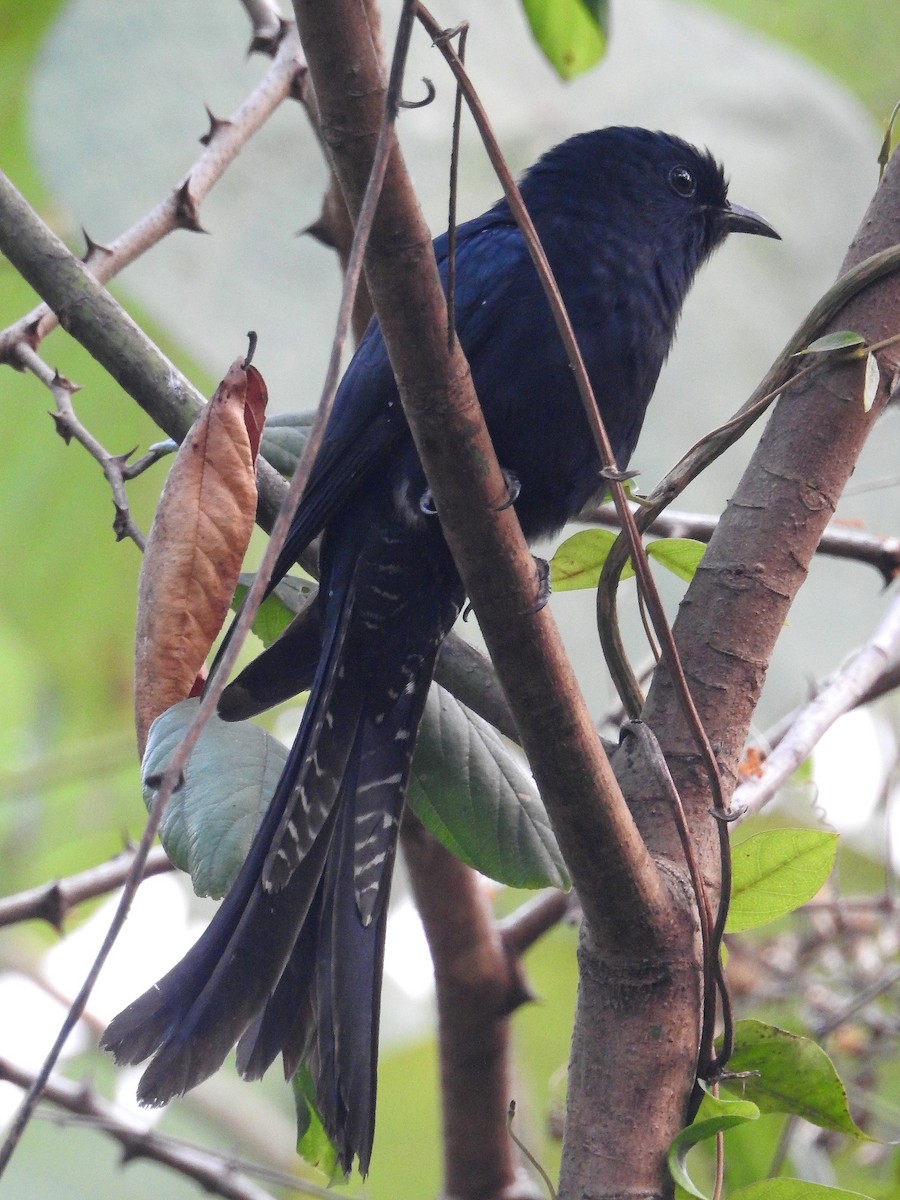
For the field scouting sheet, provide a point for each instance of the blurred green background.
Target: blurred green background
(90, 140)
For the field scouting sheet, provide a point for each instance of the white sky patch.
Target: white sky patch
(850, 767)
(407, 960)
(31, 1021)
(155, 936)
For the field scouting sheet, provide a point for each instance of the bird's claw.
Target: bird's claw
(614, 475)
(513, 488)
(543, 584)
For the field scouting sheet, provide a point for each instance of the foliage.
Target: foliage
(67, 700)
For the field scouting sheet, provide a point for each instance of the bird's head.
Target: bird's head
(652, 190)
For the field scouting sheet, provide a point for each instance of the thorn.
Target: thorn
(121, 523)
(216, 125)
(54, 909)
(518, 992)
(186, 213)
(320, 231)
(299, 88)
(122, 459)
(30, 337)
(268, 43)
(130, 1153)
(63, 428)
(93, 249)
(67, 385)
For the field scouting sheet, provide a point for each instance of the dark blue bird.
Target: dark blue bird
(292, 961)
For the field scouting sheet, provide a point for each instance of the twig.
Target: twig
(69, 427)
(878, 987)
(887, 681)
(880, 552)
(267, 21)
(52, 902)
(172, 776)
(463, 32)
(218, 1174)
(531, 920)
(837, 698)
(180, 209)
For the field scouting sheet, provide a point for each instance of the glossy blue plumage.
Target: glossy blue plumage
(292, 961)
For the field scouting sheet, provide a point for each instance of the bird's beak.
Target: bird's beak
(737, 219)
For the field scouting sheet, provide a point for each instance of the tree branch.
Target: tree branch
(726, 629)
(838, 541)
(592, 823)
(52, 902)
(180, 209)
(841, 695)
(478, 985)
(217, 1174)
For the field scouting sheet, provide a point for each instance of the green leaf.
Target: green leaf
(787, 1073)
(873, 378)
(716, 1114)
(579, 560)
(793, 1189)
(775, 872)
(290, 597)
(472, 794)
(230, 777)
(284, 439)
(466, 787)
(681, 556)
(843, 339)
(571, 33)
(313, 1143)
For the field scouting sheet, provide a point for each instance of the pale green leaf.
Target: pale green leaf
(313, 1143)
(785, 1073)
(681, 556)
(580, 559)
(284, 439)
(230, 777)
(716, 1114)
(793, 1189)
(775, 872)
(290, 597)
(842, 339)
(571, 33)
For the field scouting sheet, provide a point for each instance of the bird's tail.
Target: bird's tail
(292, 960)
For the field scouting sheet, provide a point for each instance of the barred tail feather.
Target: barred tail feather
(191, 1019)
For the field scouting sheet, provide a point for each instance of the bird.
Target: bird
(291, 962)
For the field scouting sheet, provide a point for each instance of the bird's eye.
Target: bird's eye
(682, 182)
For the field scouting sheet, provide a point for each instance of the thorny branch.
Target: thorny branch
(180, 209)
(70, 428)
(52, 902)
(217, 1174)
(842, 694)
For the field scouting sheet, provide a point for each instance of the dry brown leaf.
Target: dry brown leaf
(196, 546)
